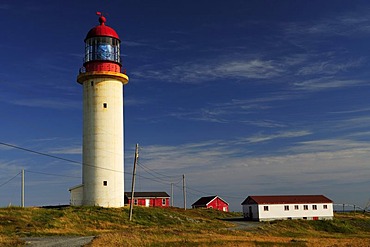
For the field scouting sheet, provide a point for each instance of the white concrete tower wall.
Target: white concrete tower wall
(103, 145)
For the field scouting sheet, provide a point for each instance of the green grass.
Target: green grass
(341, 225)
(170, 227)
(92, 220)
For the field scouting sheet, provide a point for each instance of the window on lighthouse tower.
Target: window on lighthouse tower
(102, 48)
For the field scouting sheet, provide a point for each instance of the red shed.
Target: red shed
(149, 199)
(214, 202)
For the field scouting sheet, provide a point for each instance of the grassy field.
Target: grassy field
(176, 227)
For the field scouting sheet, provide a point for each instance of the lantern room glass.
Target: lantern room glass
(102, 48)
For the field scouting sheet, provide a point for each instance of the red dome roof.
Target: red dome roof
(102, 30)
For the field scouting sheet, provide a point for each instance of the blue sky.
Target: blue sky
(243, 97)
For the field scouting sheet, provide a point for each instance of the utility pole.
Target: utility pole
(133, 180)
(22, 189)
(184, 190)
(171, 194)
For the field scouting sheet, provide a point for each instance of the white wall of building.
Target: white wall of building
(76, 195)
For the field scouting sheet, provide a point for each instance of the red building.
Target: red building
(214, 202)
(149, 199)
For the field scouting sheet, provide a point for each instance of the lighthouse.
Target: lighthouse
(103, 120)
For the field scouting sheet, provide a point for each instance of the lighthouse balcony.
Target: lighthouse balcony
(101, 66)
(87, 74)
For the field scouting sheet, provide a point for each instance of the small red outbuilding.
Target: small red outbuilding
(214, 202)
(149, 199)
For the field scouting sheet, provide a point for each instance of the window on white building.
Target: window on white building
(265, 208)
(305, 207)
(314, 207)
(325, 206)
(296, 207)
(286, 207)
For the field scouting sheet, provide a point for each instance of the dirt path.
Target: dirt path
(242, 224)
(60, 241)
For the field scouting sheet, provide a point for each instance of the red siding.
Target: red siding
(153, 202)
(219, 205)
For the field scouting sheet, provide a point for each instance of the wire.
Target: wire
(39, 153)
(51, 174)
(55, 157)
(156, 179)
(71, 161)
(148, 171)
(10, 179)
(163, 175)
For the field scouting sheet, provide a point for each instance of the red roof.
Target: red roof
(102, 30)
(286, 199)
(152, 194)
(204, 201)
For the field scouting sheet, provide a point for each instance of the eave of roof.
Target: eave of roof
(286, 199)
(154, 194)
(204, 201)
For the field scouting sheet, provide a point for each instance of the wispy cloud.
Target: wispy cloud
(324, 83)
(346, 24)
(332, 145)
(11, 167)
(329, 67)
(265, 123)
(301, 169)
(355, 122)
(310, 72)
(212, 152)
(236, 110)
(132, 43)
(67, 150)
(287, 134)
(46, 103)
(200, 71)
(358, 110)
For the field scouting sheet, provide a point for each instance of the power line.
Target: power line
(157, 179)
(10, 179)
(152, 179)
(73, 161)
(161, 174)
(224, 196)
(52, 174)
(55, 157)
(149, 171)
(39, 153)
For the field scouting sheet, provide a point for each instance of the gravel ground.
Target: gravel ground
(242, 224)
(57, 241)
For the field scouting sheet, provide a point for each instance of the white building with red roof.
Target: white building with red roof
(309, 207)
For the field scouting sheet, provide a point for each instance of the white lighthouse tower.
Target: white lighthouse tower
(103, 118)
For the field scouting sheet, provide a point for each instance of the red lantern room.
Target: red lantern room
(102, 48)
